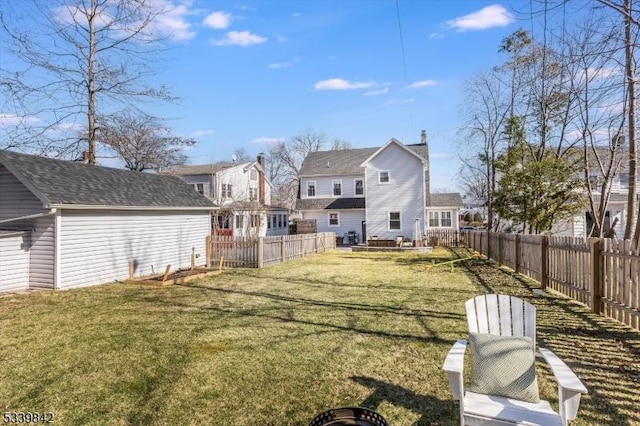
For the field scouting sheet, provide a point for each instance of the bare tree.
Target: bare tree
(285, 160)
(71, 61)
(142, 142)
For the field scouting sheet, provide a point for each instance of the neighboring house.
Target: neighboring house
(615, 221)
(84, 225)
(374, 192)
(242, 195)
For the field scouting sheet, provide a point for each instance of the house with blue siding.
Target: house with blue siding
(370, 193)
(84, 225)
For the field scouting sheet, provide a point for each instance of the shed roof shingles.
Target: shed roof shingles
(446, 199)
(330, 203)
(72, 183)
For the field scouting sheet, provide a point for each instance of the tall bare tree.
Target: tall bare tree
(142, 142)
(285, 160)
(65, 62)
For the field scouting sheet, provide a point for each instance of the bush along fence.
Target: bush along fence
(602, 273)
(259, 252)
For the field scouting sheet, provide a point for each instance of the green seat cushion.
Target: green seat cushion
(504, 366)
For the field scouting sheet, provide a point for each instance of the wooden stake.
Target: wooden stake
(131, 269)
(221, 262)
(166, 273)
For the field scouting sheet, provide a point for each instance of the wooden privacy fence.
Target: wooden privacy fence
(263, 251)
(604, 274)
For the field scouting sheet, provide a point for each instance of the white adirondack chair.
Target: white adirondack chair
(509, 316)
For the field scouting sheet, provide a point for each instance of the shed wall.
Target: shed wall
(14, 261)
(96, 247)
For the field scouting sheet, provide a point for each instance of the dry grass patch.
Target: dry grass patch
(261, 347)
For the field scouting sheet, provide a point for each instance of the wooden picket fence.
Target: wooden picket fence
(240, 252)
(603, 274)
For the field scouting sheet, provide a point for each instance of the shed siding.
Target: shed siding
(42, 253)
(96, 247)
(404, 193)
(15, 199)
(14, 261)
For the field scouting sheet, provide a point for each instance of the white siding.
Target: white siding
(350, 220)
(96, 247)
(324, 186)
(14, 261)
(205, 180)
(404, 193)
(42, 253)
(240, 180)
(15, 199)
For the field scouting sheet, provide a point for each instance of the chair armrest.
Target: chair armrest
(454, 367)
(570, 387)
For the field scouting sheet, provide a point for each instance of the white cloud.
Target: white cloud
(296, 14)
(169, 21)
(440, 155)
(377, 92)
(218, 20)
(287, 64)
(397, 101)
(487, 17)
(172, 22)
(13, 120)
(341, 84)
(436, 36)
(422, 83)
(239, 38)
(68, 126)
(201, 133)
(604, 72)
(268, 141)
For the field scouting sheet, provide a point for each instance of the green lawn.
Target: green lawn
(276, 346)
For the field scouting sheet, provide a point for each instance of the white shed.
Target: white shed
(87, 223)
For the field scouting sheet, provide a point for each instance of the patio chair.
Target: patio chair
(504, 390)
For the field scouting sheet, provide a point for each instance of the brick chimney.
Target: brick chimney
(423, 137)
(261, 179)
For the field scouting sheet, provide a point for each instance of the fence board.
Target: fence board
(244, 252)
(569, 269)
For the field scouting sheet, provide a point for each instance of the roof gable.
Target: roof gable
(393, 141)
(346, 162)
(59, 183)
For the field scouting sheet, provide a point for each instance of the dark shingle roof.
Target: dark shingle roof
(344, 161)
(330, 203)
(200, 169)
(60, 182)
(446, 199)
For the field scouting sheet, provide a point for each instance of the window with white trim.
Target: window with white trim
(226, 190)
(239, 221)
(334, 219)
(445, 219)
(255, 220)
(434, 219)
(337, 187)
(198, 187)
(394, 221)
(274, 220)
(253, 174)
(253, 194)
(384, 176)
(311, 188)
(359, 186)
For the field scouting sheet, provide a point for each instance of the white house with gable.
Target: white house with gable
(242, 195)
(370, 193)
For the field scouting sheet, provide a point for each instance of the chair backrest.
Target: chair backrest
(501, 315)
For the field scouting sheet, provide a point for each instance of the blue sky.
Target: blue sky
(253, 72)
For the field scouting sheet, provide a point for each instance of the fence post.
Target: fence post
(595, 249)
(315, 242)
(282, 248)
(488, 245)
(207, 251)
(518, 254)
(544, 253)
(500, 249)
(261, 252)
